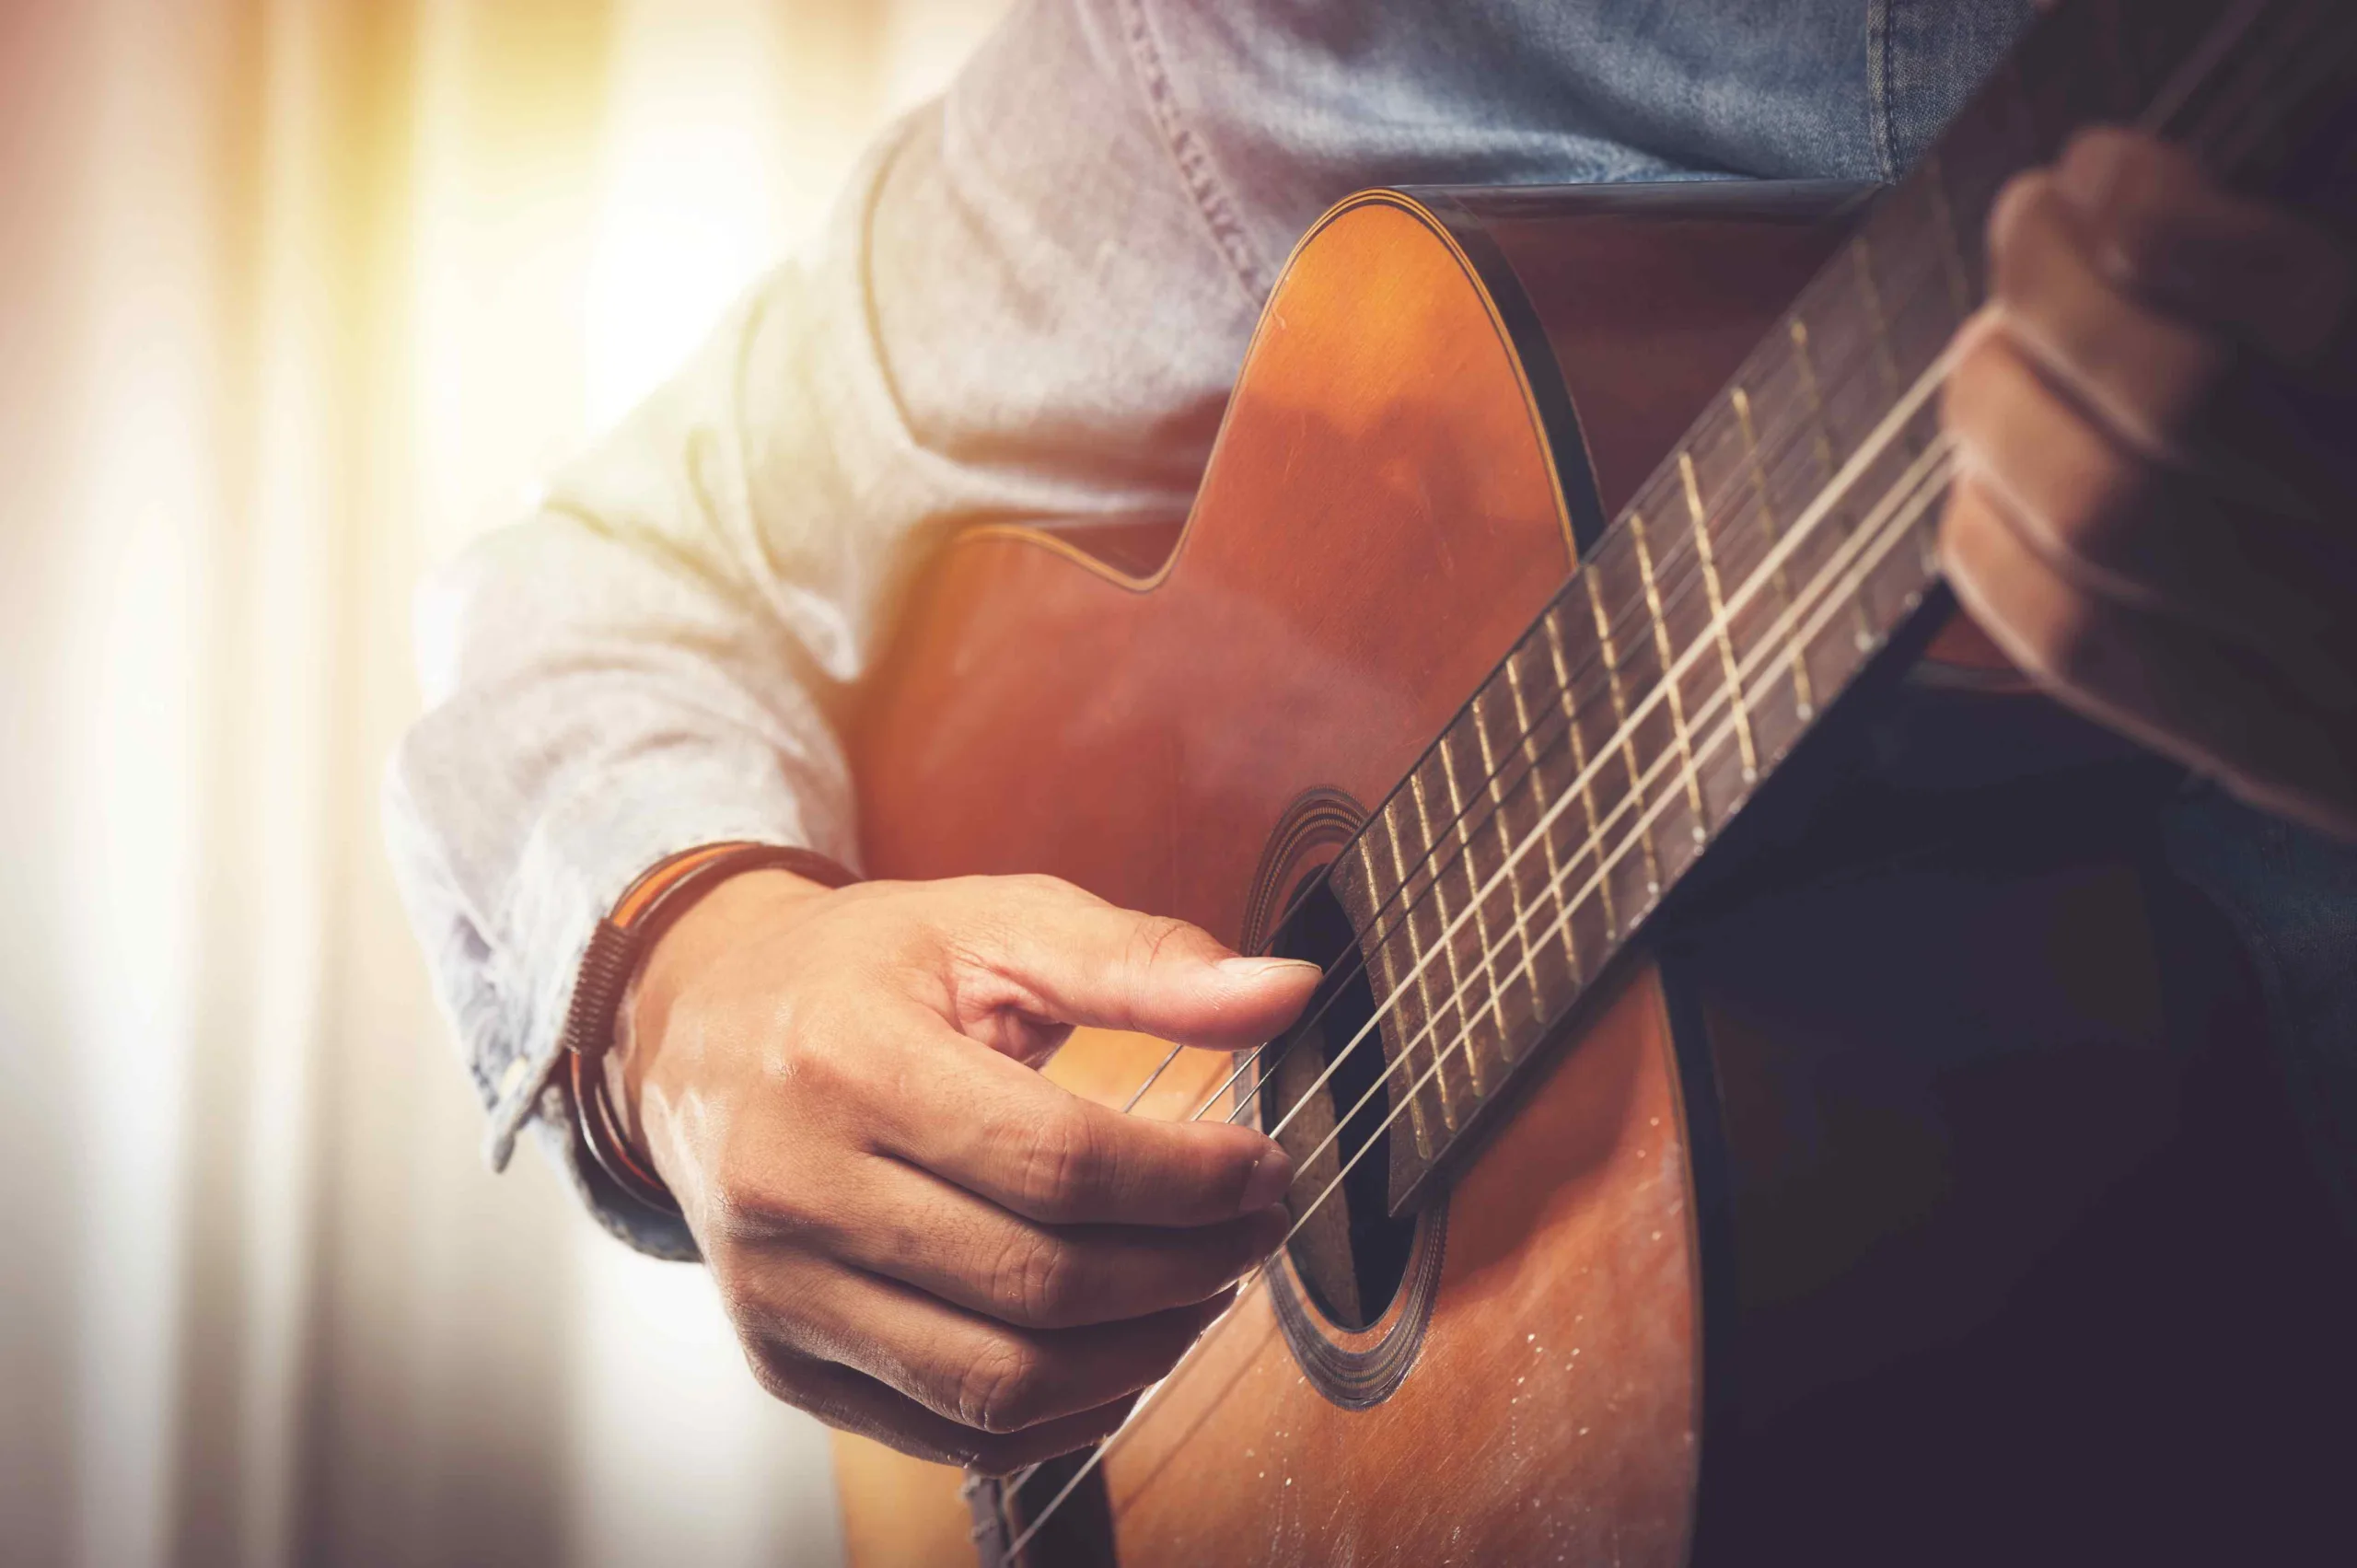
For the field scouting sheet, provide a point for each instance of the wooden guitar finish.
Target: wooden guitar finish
(1916, 1196)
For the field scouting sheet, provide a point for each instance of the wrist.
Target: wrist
(606, 1116)
(648, 1070)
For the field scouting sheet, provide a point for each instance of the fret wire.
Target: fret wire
(1830, 293)
(1762, 496)
(1465, 840)
(1668, 660)
(1950, 248)
(1813, 385)
(1922, 495)
(1816, 396)
(1859, 553)
(1943, 208)
(1878, 323)
(1448, 945)
(1575, 730)
(1407, 1102)
(1620, 716)
(1719, 615)
(1864, 548)
(1505, 841)
(1851, 543)
(1803, 702)
(1810, 372)
(1393, 986)
(1585, 777)
(1804, 523)
(1780, 557)
(1761, 444)
(1416, 953)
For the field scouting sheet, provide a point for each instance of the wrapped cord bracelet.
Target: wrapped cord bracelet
(617, 947)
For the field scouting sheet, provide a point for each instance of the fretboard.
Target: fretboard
(1784, 546)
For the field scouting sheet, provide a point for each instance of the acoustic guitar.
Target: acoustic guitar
(1766, 1102)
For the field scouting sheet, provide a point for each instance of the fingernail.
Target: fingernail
(1253, 969)
(1268, 1183)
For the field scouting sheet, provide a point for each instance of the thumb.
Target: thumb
(1068, 956)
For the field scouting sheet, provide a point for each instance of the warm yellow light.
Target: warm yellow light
(690, 210)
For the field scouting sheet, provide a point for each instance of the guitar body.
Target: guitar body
(1907, 1213)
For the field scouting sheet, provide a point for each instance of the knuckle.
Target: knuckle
(1974, 390)
(749, 1207)
(2106, 513)
(1156, 934)
(739, 1207)
(1063, 1160)
(811, 1055)
(2070, 642)
(1035, 1278)
(2017, 205)
(1155, 941)
(2137, 239)
(1042, 884)
(998, 1386)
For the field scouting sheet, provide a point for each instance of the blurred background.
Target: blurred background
(295, 296)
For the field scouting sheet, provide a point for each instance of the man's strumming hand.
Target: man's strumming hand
(917, 1237)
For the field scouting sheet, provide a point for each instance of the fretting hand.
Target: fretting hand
(917, 1237)
(2156, 510)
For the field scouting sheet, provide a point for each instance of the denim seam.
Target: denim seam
(887, 155)
(1196, 170)
(1880, 99)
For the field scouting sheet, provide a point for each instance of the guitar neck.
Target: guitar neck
(1785, 545)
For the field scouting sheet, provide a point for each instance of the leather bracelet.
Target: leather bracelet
(617, 947)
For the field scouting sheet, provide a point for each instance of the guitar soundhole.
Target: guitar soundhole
(1350, 1254)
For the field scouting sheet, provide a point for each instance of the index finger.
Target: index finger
(999, 1130)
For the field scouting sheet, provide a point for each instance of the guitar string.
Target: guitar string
(1870, 452)
(2165, 107)
(2316, 65)
(1933, 487)
(1928, 493)
(1923, 483)
(1770, 650)
(1684, 559)
(1106, 1446)
(1678, 577)
(2252, 129)
(1903, 412)
(1524, 755)
(1831, 605)
(1636, 834)
(1849, 474)
(1895, 533)
(1462, 824)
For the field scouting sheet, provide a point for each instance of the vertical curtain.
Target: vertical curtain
(295, 296)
